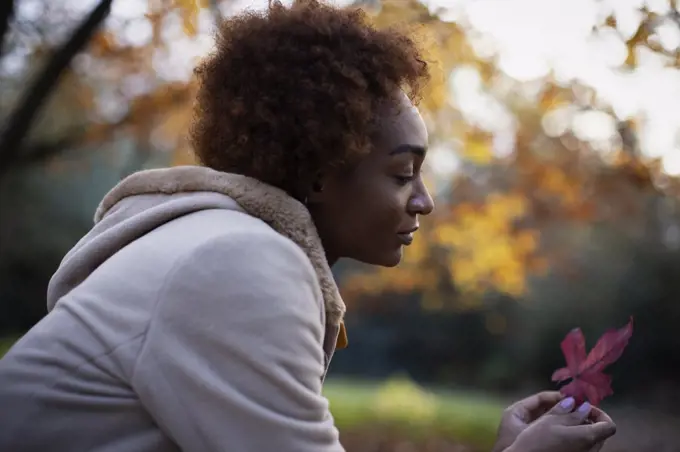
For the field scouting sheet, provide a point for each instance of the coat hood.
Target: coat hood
(149, 199)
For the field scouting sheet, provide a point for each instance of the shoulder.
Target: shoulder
(254, 248)
(239, 260)
(229, 237)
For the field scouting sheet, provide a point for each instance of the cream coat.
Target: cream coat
(199, 314)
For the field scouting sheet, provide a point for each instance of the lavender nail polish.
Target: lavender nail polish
(567, 403)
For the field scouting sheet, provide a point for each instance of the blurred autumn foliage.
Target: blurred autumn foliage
(555, 201)
(492, 226)
(500, 218)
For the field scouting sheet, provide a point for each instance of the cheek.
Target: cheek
(382, 209)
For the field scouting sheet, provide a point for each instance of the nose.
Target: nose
(420, 203)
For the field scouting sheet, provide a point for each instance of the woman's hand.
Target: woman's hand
(564, 430)
(517, 417)
(597, 415)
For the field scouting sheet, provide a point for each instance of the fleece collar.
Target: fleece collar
(282, 212)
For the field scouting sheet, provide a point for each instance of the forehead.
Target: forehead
(401, 124)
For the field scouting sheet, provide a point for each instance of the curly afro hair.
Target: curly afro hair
(294, 91)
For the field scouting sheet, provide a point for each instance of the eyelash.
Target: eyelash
(403, 180)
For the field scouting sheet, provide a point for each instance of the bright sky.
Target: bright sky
(536, 36)
(531, 37)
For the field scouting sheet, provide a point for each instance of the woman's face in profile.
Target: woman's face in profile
(371, 213)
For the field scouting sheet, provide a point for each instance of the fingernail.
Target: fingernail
(567, 403)
(585, 408)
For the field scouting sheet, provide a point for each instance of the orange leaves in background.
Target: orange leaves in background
(497, 233)
(485, 250)
(159, 114)
(553, 180)
(489, 235)
(554, 97)
(102, 43)
(482, 250)
(189, 10)
(444, 44)
(412, 274)
(159, 119)
(478, 147)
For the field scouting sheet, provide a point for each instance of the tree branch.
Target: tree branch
(6, 15)
(19, 123)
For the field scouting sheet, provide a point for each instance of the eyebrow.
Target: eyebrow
(414, 149)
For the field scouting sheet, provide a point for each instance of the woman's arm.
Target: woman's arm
(233, 357)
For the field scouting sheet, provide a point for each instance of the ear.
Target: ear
(318, 191)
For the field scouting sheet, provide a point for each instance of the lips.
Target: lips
(406, 237)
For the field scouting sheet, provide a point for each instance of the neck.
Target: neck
(331, 260)
(331, 256)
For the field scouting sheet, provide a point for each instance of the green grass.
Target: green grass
(414, 411)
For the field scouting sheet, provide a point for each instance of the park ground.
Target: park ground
(397, 416)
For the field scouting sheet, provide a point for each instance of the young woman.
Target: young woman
(200, 313)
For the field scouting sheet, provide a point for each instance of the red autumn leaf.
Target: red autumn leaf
(588, 382)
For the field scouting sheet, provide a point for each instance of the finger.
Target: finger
(531, 408)
(561, 415)
(565, 406)
(581, 413)
(543, 400)
(589, 434)
(598, 415)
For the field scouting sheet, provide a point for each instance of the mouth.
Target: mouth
(406, 237)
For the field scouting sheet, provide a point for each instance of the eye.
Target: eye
(403, 180)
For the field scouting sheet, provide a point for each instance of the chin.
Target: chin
(390, 258)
